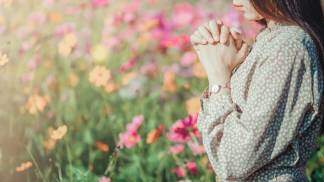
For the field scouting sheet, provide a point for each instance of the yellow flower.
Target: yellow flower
(3, 59)
(24, 166)
(193, 105)
(66, 45)
(111, 87)
(55, 17)
(2, 20)
(99, 76)
(58, 133)
(73, 79)
(6, 3)
(169, 83)
(49, 144)
(144, 38)
(36, 103)
(99, 53)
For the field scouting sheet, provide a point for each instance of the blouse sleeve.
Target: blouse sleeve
(239, 143)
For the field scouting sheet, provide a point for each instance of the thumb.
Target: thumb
(243, 52)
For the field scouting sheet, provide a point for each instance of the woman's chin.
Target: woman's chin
(250, 17)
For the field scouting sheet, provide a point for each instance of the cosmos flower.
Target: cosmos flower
(130, 137)
(24, 166)
(176, 149)
(182, 129)
(99, 76)
(192, 167)
(153, 135)
(58, 133)
(36, 103)
(3, 59)
(179, 171)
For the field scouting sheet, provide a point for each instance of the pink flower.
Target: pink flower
(104, 179)
(192, 167)
(63, 29)
(176, 149)
(149, 68)
(196, 148)
(180, 41)
(37, 18)
(134, 125)
(179, 171)
(130, 137)
(181, 129)
(183, 14)
(128, 65)
(188, 58)
(99, 3)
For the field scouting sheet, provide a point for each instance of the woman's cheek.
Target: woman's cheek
(252, 16)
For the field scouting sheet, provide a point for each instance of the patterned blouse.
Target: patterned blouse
(266, 127)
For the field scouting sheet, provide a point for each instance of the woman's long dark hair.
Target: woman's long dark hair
(307, 14)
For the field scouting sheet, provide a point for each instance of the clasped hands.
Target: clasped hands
(220, 49)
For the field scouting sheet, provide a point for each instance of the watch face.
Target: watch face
(216, 88)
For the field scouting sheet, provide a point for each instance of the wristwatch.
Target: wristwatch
(217, 87)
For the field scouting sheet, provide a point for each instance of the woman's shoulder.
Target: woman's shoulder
(294, 38)
(284, 40)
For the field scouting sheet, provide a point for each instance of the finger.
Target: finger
(236, 32)
(214, 30)
(219, 22)
(243, 52)
(231, 41)
(224, 34)
(206, 34)
(200, 39)
(194, 39)
(238, 43)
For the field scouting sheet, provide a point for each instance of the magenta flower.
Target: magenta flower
(179, 171)
(192, 167)
(176, 149)
(180, 131)
(130, 137)
(128, 65)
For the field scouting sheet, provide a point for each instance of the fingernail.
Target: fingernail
(236, 29)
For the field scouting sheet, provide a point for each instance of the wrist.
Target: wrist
(219, 87)
(220, 79)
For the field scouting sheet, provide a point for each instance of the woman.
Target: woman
(263, 122)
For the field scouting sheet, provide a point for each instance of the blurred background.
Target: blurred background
(81, 77)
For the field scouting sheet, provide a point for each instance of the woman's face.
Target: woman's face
(247, 8)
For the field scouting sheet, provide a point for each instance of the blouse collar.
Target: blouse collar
(275, 27)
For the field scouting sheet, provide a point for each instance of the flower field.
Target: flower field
(106, 90)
